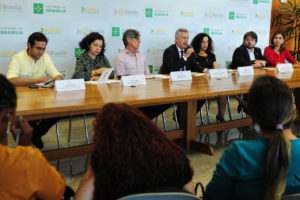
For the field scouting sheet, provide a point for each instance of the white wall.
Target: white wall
(66, 22)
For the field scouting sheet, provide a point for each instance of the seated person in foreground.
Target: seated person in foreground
(277, 52)
(267, 167)
(132, 156)
(203, 47)
(92, 62)
(24, 171)
(31, 66)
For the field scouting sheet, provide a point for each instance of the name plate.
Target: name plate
(284, 75)
(218, 73)
(245, 71)
(181, 76)
(69, 85)
(133, 80)
(284, 68)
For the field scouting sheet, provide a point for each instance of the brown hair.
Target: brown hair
(132, 155)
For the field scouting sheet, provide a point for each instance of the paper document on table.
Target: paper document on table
(160, 76)
(198, 74)
(269, 68)
(98, 83)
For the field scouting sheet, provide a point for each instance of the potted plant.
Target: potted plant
(288, 20)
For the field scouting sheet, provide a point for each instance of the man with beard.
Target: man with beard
(247, 54)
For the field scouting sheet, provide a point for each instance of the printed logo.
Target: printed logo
(260, 16)
(264, 1)
(237, 31)
(227, 63)
(187, 13)
(51, 30)
(158, 31)
(149, 12)
(124, 12)
(78, 52)
(206, 30)
(38, 8)
(10, 8)
(115, 31)
(213, 15)
(85, 31)
(231, 15)
(155, 51)
(89, 10)
(150, 68)
(11, 30)
(255, 1)
(59, 53)
(7, 53)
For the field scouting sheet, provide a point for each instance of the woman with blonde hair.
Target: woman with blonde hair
(267, 167)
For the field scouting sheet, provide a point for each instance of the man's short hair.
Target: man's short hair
(252, 34)
(37, 36)
(130, 34)
(180, 30)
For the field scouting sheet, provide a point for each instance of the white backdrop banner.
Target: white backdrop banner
(66, 22)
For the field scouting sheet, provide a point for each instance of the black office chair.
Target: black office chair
(295, 196)
(161, 196)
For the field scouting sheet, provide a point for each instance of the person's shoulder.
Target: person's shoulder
(250, 145)
(171, 48)
(20, 55)
(23, 152)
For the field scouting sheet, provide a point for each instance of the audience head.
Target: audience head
(250, 39)
(202, 41)
(278, 40)
(182, 38)
(93, 43)
(8, 101)
(36, 44)
(132, 155)
(131, 38)
(271, 106)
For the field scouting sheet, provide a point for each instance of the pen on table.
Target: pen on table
(18, 131)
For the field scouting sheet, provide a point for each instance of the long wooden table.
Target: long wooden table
(45, 103)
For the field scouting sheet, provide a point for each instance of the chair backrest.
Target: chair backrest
(295, 196)
(161, 196)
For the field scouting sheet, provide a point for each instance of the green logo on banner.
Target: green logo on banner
(206, 30)
(150, 68)
(78, 52)
(115, 31)
(231, 15)
(149, 12)
(255, 1)
(38, 8)
(227, 63)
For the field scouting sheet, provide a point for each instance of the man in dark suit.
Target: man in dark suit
(180, 57)
(247, 54)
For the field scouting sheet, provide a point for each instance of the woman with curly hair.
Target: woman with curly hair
(92, 62)
(131, 156)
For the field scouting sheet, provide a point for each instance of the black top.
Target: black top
(206, 62)
(172, 61)
(241, 57)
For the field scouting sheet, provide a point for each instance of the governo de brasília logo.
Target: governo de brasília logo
(149, 12)
(231, 15)
(38, 8)
(115, 31)
(78, 52)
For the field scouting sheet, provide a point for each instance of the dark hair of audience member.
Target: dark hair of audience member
(85, 43)
(132, 155)
(196, 43)
(271, 106)
(37, 36)
(251, 34)
(282, 47)
(7, 94)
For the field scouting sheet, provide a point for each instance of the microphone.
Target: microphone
(190, 46)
